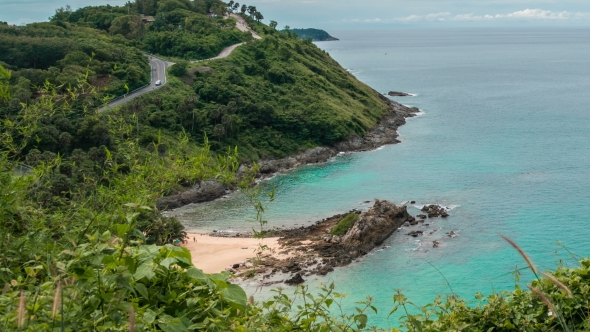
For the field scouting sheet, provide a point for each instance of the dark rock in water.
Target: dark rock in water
(398, 94)
(296, 280)
(421, 216)
(413, 202)
(435, 244)
(415, 233)
(414, 222)
(434, 211)
(452, 234)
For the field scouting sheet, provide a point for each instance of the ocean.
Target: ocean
(503, 140)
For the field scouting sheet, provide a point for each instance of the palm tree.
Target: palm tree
(252, 11)
(259, 16)
(244, 9)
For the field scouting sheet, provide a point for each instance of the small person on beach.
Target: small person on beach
(195, 239)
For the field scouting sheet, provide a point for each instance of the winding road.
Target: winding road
(158, 74)
(159, 67)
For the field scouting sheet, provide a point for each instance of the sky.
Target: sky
(365, 14)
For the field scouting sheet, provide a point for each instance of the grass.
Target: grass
(345, 224)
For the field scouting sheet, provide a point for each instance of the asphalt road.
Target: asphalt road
(158, 73)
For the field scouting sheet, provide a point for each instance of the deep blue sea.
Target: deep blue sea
(503, 141)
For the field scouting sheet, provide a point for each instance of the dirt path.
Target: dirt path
(243, 26)
(240, 25)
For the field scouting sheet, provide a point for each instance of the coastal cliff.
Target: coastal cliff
(384, 133)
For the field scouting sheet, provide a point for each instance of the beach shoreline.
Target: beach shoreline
(216, 254)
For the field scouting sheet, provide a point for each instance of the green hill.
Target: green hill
(314, 34)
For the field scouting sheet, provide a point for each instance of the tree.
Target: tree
(258, 16)
(170, 5)
(219, 10)
(252, 11)
(273, 24)
(179, 69)
(244, 9)
(219, 131)
(130, 26)
(236, 7)
(5, 76)
(230, 5)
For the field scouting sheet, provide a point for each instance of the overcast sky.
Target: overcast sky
(366, 14)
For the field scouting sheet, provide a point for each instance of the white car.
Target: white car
(158, 83)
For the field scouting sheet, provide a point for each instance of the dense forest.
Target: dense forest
(84, 247)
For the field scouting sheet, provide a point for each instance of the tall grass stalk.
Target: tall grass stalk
(20, 312)
(559, 284)
(522, 253)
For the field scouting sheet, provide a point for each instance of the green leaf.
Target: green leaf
(167, 262)
(122, 229)
(235, 294)
(145, 270)
(82, 273)
(196, 274)
(175, 325)
(177, 252)
(361, 320)
(141, 289)
(198, 326)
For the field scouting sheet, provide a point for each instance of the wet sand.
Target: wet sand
(215, 254)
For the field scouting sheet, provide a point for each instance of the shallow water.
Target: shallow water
(503, 139)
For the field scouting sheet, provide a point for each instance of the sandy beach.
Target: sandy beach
(215, 254)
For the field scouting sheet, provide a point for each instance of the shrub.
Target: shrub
(345, 224)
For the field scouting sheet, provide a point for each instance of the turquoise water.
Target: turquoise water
(503, 141)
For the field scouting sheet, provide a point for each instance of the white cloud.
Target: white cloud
(527, 14)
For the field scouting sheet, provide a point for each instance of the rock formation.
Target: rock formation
(373, 227)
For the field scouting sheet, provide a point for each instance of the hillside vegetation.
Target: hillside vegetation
(270, 98)
(84, 247)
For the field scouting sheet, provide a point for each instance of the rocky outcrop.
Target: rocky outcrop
(296, 280)
(202, 192)
(384, 133)
(314, 250)
(398, 94)
(373, 227)
(434, 211)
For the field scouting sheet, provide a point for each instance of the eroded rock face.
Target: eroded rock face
(374, 226)
(201, 192)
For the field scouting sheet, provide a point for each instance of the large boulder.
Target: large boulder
(374, 226)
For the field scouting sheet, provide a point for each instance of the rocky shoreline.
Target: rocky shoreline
(314, 250)
(383, 134)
